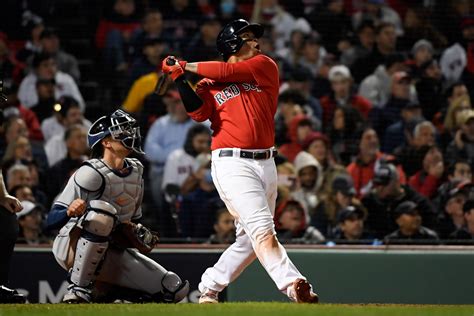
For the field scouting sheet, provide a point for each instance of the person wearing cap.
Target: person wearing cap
(34, 25)
(397, 134)
(379, 12)
(148, 61)
(430, 176)
(451, 198)
(165, 135)
(310, 178)
(291, 224)
(290, 104)
(342, 95)
(46, 99)
(462, 146)
(422, 51)
(466, 232)
(368, 157)
(429, 89)
(67, 63)
(410, 229)
(151, 28)
(377, 86)
(45, 67)
(389, 113)
(350, 226)
(365, 43)
(318, 145)
(203, 45)
(385, 45)
(29, 220)
(341, 196)
(386, 194)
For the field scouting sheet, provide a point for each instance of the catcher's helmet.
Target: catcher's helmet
(229, 42)
(120, 126)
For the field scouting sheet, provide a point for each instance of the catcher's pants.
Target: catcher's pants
(125, 268)
(248, 187)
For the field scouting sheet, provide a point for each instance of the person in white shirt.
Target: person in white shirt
(44, 66)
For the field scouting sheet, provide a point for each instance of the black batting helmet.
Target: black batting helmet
(228, 41)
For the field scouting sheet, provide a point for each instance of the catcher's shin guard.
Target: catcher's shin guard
(93, 243)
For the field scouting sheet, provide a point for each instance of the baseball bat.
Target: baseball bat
(163, 81)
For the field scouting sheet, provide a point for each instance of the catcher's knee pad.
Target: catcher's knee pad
(100, 218)
(174, 289)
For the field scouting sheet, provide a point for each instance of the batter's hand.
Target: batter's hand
(173, 67)
(11, 203)
(76, 208)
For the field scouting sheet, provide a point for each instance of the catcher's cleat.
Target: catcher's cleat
(10, 296)
(209, 297)
(304, 292)
(77, 295)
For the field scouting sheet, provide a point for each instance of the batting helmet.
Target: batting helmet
(229, 42)
(120, 126)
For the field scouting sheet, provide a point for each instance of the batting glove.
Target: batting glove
(170, 65)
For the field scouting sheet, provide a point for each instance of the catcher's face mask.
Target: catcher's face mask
(123, 128)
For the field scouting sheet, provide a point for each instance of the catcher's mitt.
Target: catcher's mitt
(130, 235)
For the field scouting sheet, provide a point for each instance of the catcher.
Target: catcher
(99, 242)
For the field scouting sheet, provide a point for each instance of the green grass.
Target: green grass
(231, 309)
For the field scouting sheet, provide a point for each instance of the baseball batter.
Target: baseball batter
(239, 97)
(96, 213)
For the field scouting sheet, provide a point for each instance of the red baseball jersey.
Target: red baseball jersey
(240, 100)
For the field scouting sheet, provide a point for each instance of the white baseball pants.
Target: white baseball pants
(248, 187)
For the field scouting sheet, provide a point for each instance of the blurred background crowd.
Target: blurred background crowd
(375, 126)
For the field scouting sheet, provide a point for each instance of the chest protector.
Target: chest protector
(124, 192)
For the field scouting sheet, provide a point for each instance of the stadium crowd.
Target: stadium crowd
(375, 126)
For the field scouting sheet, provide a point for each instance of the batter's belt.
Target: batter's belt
(257, 155)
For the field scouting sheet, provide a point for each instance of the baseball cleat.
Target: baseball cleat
(10, 296)
(304, 292)
(209, 297)
(77, 295)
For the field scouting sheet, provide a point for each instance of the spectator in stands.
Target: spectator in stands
(75, 138)
(287, 178)
(18, 174)
(342, 95)
(369, 156)
(379, 12)
(228, 11)
(65, 62)
(290, 105)
(29, 220)
(463, 144)
(417, 25)
(23, 192)
(46, 100)
(409, 221)
(429, 89)
(34, 26)
(14, 108)
(17, 150)
(396, 134)
(310, 178)
(203, 45)
(165, 135)
(224, 228)
(386, 195)
(390, 112)
(114, 32)
(364, 44)
(300, 127)
(180, 23)
(293, 51)
(10, 67)
(321, 84)
(385, 44)
(333, 202)
(313, 54)
(424, 134)
(452, 196)
(422, 52)
(350, 226)
(152, 28)
(455, 106)
(65, 113)
(318, 145)
(291, 223)
(44, 67)
(345, 127)
(37, 185)
(467, 232)
(428, 179)
(148, 61)
(323, 22)
(377, 87)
